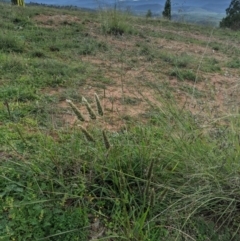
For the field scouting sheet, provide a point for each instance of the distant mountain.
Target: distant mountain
(189, 9)
(219, 8)
(145, 7)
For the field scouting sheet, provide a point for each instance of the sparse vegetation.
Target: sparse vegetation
(117, 128)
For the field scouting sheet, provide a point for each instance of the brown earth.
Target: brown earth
(133, 91)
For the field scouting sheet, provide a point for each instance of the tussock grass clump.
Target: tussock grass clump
(210, 65)
(115, 22)
(234, 63)
(11, 43)
(169, 179)
(12, 67)
(183, 74)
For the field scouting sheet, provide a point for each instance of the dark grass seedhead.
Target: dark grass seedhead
(89, 109)
(88, 136)
(99, 105)
(76, 110)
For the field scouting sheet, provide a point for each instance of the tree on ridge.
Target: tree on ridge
(167, 10)
(232, 20)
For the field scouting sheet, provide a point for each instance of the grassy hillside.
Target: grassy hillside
(146, 147)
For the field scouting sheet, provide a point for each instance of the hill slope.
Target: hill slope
(152, 150)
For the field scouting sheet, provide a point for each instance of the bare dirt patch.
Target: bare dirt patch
(120, 104)
(55, 20)
(129, 97)
(132, 90)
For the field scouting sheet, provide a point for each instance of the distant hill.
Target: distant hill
(218, 8)
(193, 11)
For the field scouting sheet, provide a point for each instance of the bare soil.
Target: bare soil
(132, 91)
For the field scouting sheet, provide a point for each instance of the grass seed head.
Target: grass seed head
(88, 136)
(150, 170)
(89, 108)
(99, 106)
(152, 198)
(76, 110)
(146, 190)
(105, 140)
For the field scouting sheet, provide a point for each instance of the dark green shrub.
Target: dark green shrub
(232, 20)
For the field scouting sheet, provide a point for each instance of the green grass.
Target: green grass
(183, 74)
(166, 174)
(132, 200)
(115, 22)
(11, 43)
(210, 65)
(234, 63)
